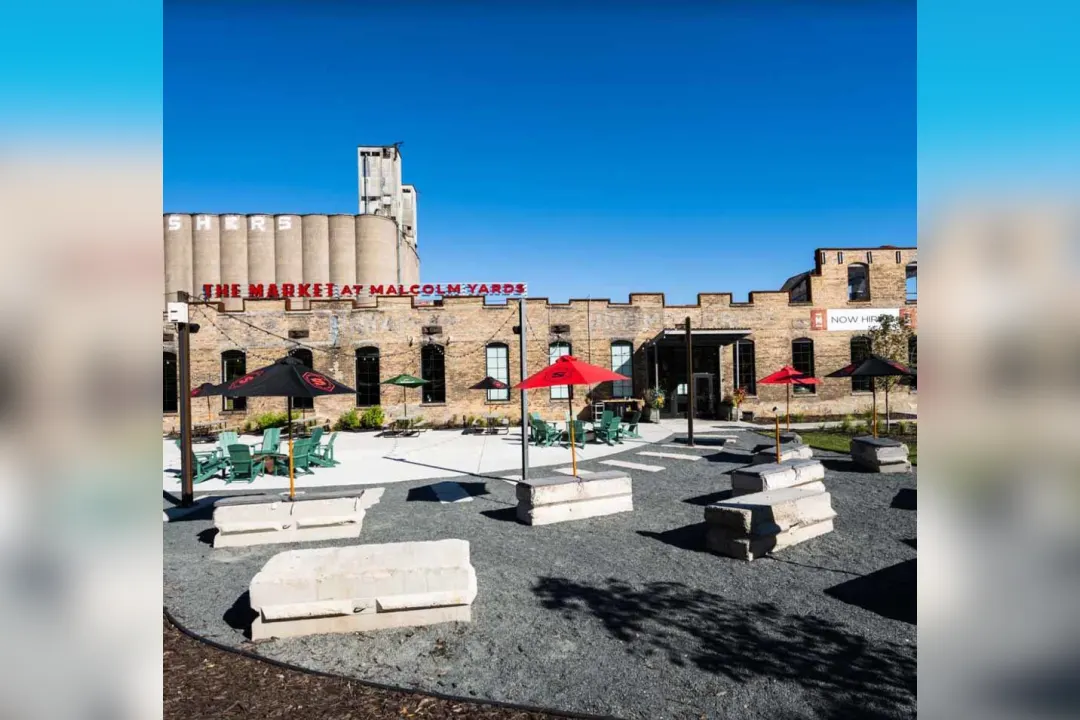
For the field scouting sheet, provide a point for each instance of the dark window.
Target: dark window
(802, 359)
(912, 279)
(304, 356)
(367, 377)
(233, 365)
(433, 369)
(746, 376)
(621, 353)
(860, 350)
(913, 358)
(858, 282)
(498, 367)
(801, 291)
(170, 382)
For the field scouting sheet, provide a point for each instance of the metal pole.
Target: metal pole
(187, 486)
(288, 424)
(524, 394)
(777, 418)
(689, 386)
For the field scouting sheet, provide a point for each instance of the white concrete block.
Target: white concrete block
(555, 499)
(722, 540)
(770, 512)
(787, 452)
(632, 465)
(880, 454)
(252, 522)
(773, 476)
(362, 587)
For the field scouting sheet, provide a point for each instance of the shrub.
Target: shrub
(349, 421)
(904, 428)
(798, 417)
(373, 417)
(268, 420)
(847, 424)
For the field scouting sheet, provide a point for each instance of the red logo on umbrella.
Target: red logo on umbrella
(558, 374)
(317, 381)
(245, 379)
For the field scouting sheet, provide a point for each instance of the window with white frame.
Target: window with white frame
(498, 367)
(555, 351)
(621, 352)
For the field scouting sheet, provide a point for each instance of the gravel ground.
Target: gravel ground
(623, 615)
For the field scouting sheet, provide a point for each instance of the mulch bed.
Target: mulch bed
(202, 681)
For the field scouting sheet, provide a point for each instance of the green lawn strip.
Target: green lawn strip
(838, 442)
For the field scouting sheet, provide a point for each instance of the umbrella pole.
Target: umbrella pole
(873, 384)
(787, 408)
(405, 401)
(288, 424)
(777, 439)
(570, 422)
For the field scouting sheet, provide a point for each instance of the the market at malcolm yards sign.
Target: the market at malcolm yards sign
(253, 291)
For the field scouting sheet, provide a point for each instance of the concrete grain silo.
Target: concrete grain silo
(288, 249)
(315, 239)
(205, 252)
(342, 249)
(260, 249)
(234, 250)
(410, 260)
(178, 256)
(377, 251)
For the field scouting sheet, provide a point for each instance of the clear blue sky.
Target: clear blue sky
(590, 150)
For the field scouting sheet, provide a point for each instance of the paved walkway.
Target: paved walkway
(368, 459)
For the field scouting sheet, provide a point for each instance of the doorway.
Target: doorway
(704, 396)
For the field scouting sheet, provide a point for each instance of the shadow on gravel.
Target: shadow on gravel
(701, 441)
(507, 514)
(839, 464)
(905, 500)
(911, 543)
(841, 672)
(426, 493)
(729, 457)
(240, 615)
(691, 537)
(889, 592)
(709, 498)
(207, 536)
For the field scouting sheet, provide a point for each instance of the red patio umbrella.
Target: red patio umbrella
(568, 370)
(789, 376)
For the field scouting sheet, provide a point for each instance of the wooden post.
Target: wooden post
(288, 424)
(187, 486)
(689, 386)
(524, 393)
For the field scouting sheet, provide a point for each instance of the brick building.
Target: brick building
(815, 321)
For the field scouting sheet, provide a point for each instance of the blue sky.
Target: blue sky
(590, 150)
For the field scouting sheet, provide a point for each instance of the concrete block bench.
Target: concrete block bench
(883, 455)
(767, 453)
(542, 501)
(804, 474)
(750, 526)
(363, 587)
(263, 520)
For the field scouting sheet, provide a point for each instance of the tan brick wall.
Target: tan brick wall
(337, 328)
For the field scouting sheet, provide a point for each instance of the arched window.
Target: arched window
(555, 351)
(233, 365)
(912, 280)
(433, 369)
(860, 350)
(367, 376)
(802, 359)
(170, 382)
(621, 354)
(304, 356)
(746, 366)
(498, 367)
(913, 358)
(858, 282)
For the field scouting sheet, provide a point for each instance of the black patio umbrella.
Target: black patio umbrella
(489, 383)
(289, 377)
(205, 390)
(874, 366)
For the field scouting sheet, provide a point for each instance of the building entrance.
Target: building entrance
(668, 371)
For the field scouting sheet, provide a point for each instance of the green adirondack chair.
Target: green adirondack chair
(205, 465)
(242, 466)
(579, 435)
(609, 431)
(316, 436)
(324, 454)
(203, 454)
(301, 456)
(544, 433)
(271, 440)
(227, 438)
(632, 424)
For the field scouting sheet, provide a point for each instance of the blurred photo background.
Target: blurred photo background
(80, 209)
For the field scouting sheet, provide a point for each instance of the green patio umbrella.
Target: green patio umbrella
(405, 381)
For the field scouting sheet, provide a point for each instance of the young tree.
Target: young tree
(890, 341)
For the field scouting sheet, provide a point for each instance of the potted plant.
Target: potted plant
(727, 407)
(737, 399)
(654, 400)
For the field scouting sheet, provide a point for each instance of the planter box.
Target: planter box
(264, 520)
(754, 525)
(542, 501)
(363, 587)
